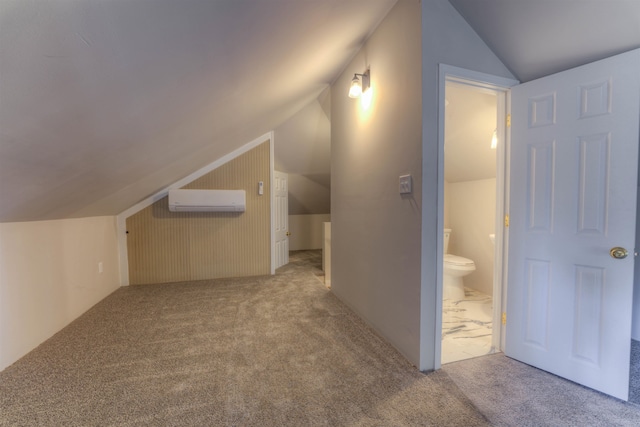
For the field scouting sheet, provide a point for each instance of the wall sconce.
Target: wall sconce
(358, 88)
(494, 139)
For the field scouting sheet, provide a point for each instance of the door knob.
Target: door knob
(618, 252)
(289, 234)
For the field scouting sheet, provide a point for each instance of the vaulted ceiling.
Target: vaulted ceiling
(535, 38)
(103, 103)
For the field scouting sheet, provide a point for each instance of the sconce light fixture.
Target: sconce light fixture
(357, 87)
(494, 139)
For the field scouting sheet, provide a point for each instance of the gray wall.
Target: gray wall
(385, 245)
(446, 39)
(375, 231)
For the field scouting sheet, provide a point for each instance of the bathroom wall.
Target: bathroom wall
(447, 209)
(470, 179)
(471, 211)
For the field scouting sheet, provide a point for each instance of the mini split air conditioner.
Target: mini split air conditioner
(207, 200)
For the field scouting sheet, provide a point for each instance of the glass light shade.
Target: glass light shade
(356, 88)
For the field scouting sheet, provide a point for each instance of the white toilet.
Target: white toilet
(455, 268)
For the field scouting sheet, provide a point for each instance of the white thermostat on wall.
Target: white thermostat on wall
(405, 186)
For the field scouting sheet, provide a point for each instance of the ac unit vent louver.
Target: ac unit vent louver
(207, 200)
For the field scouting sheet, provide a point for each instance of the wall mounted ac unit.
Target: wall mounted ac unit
(207, 200)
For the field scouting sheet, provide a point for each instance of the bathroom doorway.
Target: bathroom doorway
(507, 239)
(474, 122)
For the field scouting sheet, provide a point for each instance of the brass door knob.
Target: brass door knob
(288, 233)
(618, 252)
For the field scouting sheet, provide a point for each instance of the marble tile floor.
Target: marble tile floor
(466, 327)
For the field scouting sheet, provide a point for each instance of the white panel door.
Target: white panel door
(281, 194)
(574, 158)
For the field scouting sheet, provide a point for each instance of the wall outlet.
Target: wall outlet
(100, 268)
(405, 186)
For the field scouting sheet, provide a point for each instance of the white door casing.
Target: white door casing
(281, 228)
(481, 81)
(574, 158)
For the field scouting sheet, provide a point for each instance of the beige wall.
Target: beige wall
(446, 39)
(165, 246)
(447, 202)
(472, 218)
(309, 194)
(375, 230)
(307, 231)
(49, 276)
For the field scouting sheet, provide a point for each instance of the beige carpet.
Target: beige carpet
(268, 351)
(510, 393)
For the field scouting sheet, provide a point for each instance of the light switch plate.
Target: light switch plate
(405, 185)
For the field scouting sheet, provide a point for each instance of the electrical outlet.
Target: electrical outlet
(405, 186)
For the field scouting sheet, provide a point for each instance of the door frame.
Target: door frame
(501, 86)
(275, 220)
(272, 203)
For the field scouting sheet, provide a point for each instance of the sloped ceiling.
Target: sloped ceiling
(103, 103)
(535, 38)
(303, 150)
(303, 143)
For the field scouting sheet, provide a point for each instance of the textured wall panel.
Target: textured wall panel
(169, 246)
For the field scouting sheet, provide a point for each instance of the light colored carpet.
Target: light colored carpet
(510, 393)
(268, 351)
(634, 373)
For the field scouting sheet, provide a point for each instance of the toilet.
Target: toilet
(455, 268)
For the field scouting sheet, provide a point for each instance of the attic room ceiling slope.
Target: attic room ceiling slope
(103, 103)
(537, 38)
